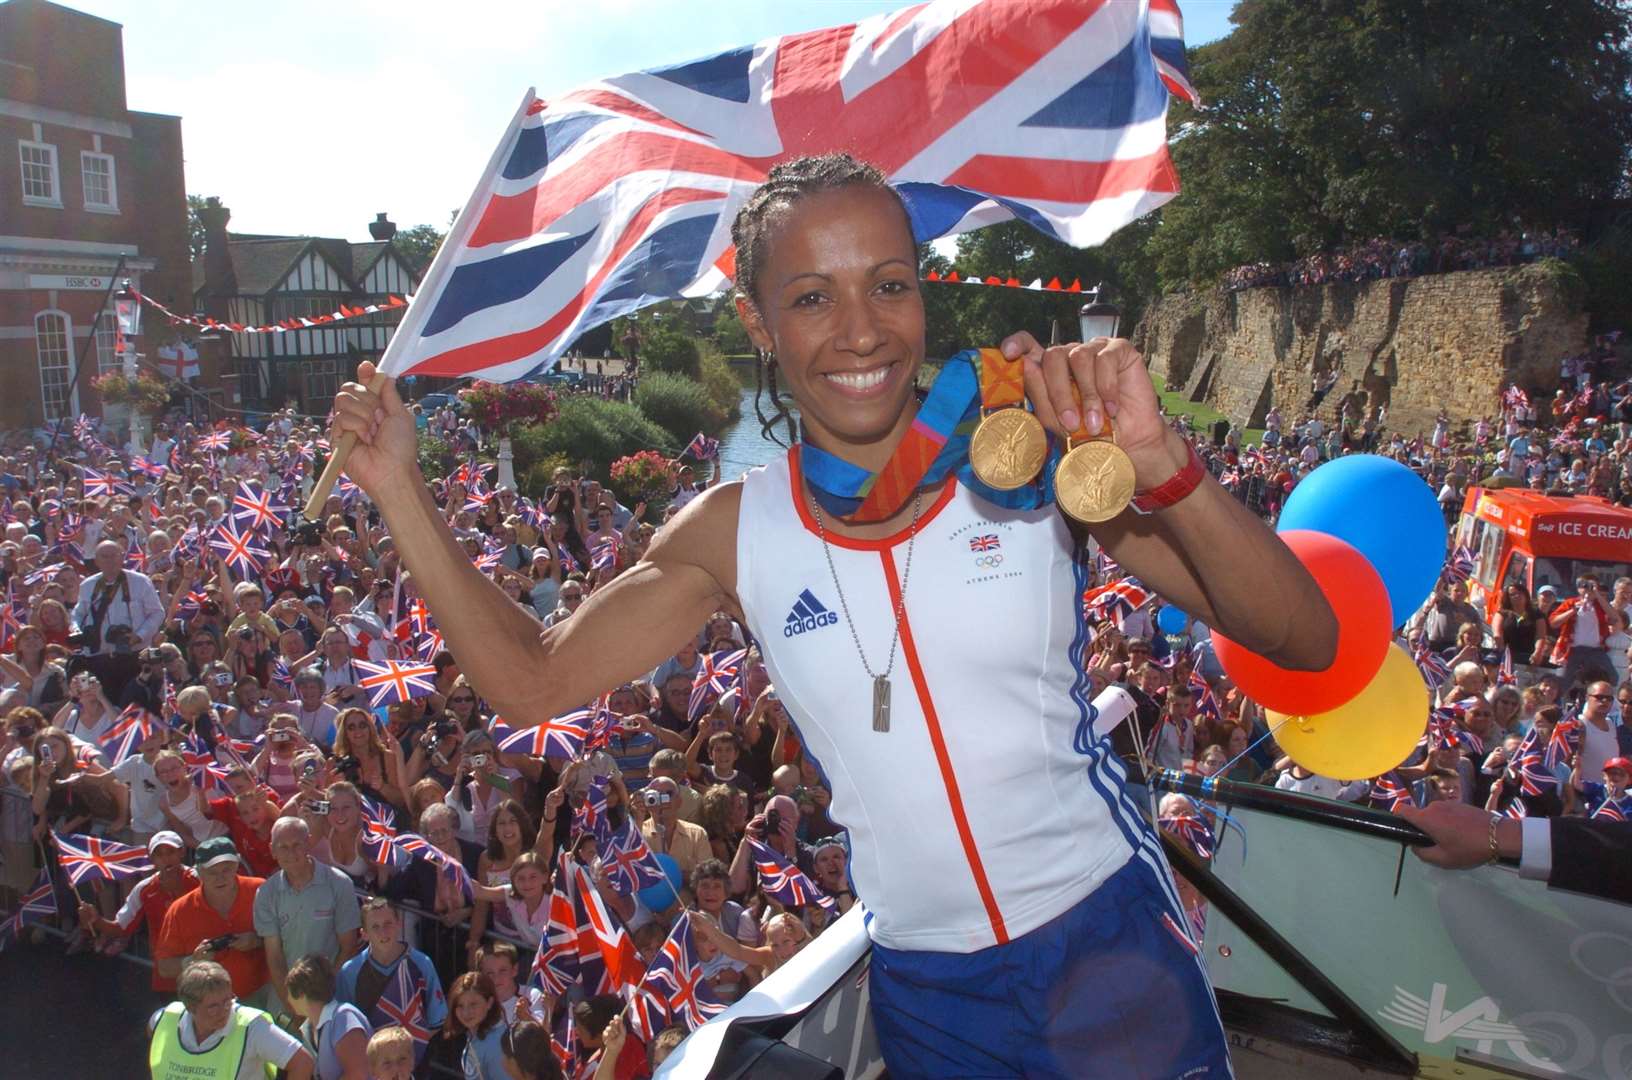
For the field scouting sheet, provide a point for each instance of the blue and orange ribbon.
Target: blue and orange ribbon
(937, 444)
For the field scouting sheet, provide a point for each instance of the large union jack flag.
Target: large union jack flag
(392, 681)
(91, 858)
(622, 193)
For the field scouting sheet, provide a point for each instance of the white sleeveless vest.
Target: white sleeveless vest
(974, 819)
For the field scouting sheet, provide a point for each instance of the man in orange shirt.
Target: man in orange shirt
(216, 922)
(151, 900)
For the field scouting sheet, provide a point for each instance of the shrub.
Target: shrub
(669, 349)
(724, 390)
(593, 433)
(678, 405)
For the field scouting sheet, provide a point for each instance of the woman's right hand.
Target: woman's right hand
(386, 449)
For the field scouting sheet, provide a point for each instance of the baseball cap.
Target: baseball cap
(214, 850)
(1546, 589)
(164, 838)
(1621, 763)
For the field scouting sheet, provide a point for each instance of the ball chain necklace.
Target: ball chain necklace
(881, 681)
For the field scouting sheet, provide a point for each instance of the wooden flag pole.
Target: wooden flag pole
(337, 460)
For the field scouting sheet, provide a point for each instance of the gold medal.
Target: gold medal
(1094, 481)
(1008, 448)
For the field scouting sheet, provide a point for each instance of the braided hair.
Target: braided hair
(787, 183)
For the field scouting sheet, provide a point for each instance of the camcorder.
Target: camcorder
(309, 534)
(773, 821)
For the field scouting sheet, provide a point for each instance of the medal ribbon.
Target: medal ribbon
(935, 445)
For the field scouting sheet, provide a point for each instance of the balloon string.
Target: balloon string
(1209, 784)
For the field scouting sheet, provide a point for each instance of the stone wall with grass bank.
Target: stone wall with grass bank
(1450, 341)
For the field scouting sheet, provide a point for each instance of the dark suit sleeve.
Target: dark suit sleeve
(1593, 857)
(1623, 738)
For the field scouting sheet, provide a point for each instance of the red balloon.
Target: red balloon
(1360, 603)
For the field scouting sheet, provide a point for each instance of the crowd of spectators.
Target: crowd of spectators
(1383, 258)
(1532, 708)
(392, 873)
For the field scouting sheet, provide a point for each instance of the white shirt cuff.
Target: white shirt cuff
(1536, 849)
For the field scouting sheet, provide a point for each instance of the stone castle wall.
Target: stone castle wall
(1450, 341)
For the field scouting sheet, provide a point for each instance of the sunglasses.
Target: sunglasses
(1601, 697)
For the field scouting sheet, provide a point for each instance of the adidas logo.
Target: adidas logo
(808, 614)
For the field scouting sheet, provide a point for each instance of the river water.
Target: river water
(742, 447)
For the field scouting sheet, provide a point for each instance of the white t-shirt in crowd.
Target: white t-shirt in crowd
(145, 792)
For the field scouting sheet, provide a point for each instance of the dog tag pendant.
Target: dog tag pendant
(881, 703)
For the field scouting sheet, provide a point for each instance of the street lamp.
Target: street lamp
(1098, 317)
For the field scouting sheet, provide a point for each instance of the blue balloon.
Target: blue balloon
(658, 897)
(1386, 512)
(1171, 620)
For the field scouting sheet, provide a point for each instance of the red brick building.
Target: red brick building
(90, 192)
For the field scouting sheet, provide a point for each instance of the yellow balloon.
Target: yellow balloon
(1369, 734)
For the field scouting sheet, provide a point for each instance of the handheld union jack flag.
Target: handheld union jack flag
(97, 483)
(1390, 792)
(402, 1002)
(606, 933)
(1116, 601)
(604, 555)
(629, 862)
(622, 193)
(91, 858)
(240, 548)
(1192, 831)
(38, 905)
(785, 883)
(216, 441)
(1564, 744)
(254, 509)
(1529, 768)
(717, 674)
(1461, 565)
(134, 726)
(1613, 809)
(702, 448)
(1205, 701)
(1505, 675)
(675, 977)
(392, 681)
(1433, 666)
(140, 464)
(560, 737)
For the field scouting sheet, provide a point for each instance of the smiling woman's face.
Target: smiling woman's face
(837, 300)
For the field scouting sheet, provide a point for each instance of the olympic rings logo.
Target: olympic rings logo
(989, 561)
(1606, 959)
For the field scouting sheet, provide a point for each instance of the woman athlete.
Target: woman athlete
(1024, 921)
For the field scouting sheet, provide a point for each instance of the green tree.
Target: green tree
(729, 335)
(195, 227)
(419, 245)
(1327, 122)
(665, 347)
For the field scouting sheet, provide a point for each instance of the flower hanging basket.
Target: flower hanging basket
(144, 393)
(646, 476)
(505, 408)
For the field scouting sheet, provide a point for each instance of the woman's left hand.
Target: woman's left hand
(1082, 386)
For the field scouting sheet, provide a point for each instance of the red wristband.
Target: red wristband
(1174, 488)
